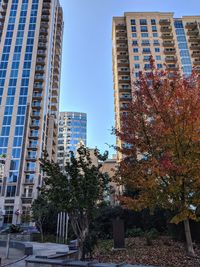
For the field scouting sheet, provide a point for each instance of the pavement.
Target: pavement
(44, 249)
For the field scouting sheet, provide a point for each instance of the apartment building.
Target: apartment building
(174, 44)
(72, 132)
(30, 63)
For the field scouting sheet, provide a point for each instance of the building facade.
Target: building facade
(174, 44)
(30, 61)
(72, 132)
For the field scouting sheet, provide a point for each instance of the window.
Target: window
(154, 29)
(159, 66)
(144, 34)
(157, 49)
(134, 35)
(14, 164)
(145, 42)
(133, 22)
(133, 28)
(144, 29)
(156, 42)
(143, 22)
(146, 50)
(10, 191)
(12, 177)
(135, 50)
(134, 42)
(153, 22)
(147, 66)
(182, 45)
(136, 58)
(146, 58)
(137, 66)
(158, 57)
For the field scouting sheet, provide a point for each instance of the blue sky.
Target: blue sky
(87, 81)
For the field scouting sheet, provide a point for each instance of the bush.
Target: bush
(134, 232)
(152, 233)
(15, 229)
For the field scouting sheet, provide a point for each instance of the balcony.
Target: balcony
(191, 25)
(29, 181)
(163, 22)
(39, 69)
(54, 106)
(165, 29)
(167, 36)
(39, 77)
(41, 53)
(37, 95)
(45, 18)
(38, 86)
(196, 54)
(123, 72)
(169, 51)
(33, 135)
(29, 195)
(32, 146)
(35, 124)
(170, 59)
(120, 27)
(36, 105)
(168, 44)
(35, 114)
(124, 80)
(195, 46)
(193, 32)
(40, 61)
(55, 91)
(46, 5)
(197, 61)
(43, 31)
(31, 157)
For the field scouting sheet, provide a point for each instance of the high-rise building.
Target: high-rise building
(72, 133)
(30, 61)
(174, 43)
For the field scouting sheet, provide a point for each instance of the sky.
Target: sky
(87, 80)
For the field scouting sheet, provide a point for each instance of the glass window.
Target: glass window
(10, 191)
(132, 21)
(136, 58)
(134, 42)
(14, 164)
(135, 50)
(159, 66)
(144, 29)
(143, 22)
(133, 28)
(157, 49)
(137, 66)
(158, 57)
(144, 34)
(154, 29)
(153, 22)
(134, 34)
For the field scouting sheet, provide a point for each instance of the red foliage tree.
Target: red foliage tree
(161, 151)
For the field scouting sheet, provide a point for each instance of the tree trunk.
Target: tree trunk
(189, 244)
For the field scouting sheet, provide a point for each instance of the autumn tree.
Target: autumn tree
(161, 146)
(77, 190)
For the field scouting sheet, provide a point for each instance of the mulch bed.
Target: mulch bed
(163, 252)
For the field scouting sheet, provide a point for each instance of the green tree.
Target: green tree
(77, 190)
(44, 215)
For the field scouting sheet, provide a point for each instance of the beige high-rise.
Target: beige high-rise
(30, 63)
(173, 42)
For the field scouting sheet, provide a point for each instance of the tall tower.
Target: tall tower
(174, 43)
(30, 62)
(72, 132)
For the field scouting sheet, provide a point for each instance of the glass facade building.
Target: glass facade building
(30, 60)
(72, 132)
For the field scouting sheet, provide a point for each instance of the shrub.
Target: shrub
(134, 232)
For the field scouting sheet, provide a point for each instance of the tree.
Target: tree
(44, 214)
(77, 190)
(161, 145)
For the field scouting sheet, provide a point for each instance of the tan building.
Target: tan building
(173, 43)
(30, 62)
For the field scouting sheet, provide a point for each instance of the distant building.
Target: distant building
(72, 132)
(174, 43)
